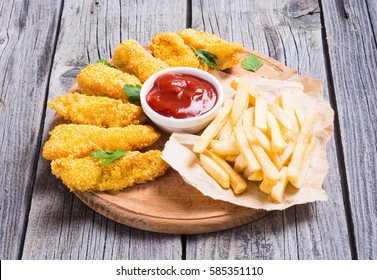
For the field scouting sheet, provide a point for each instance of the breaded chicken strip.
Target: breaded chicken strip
(101, 80)
(171, 48)
(86, 174)
(97, 110)
(226, 52)
(79, 140)
(132, 58)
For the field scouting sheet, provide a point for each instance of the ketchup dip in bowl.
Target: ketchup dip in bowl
(181, 99)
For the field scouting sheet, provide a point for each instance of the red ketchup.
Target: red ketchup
(181, 96)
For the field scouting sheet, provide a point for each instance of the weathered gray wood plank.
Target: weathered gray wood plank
(351, 38)
(27, 36)
(60, 226)
(289, 31)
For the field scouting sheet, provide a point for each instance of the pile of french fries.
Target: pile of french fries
(253, 140)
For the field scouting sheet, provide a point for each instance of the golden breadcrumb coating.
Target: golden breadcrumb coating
(227, 52)
(86, 174)
(132, 58)
(171, 48)
(79, 140)
(97, 110)
(101, 80)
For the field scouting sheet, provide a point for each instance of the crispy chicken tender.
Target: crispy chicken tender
(171, 48)
(79, 140)
(132, 58)
(97, 110)
(101, 80)
(86, 174)
(227, 52)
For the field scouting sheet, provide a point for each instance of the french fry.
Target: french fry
(241, 100)
(298, 109)
(243, 145)
(252, 93)
(287, 154)
(250, 136)
(237, 183)
(275, 158)
(278, 190)
(226, 131)
(266, 185)
(277, 142)
(309, 123)
(288, 135)
(261, 139)
(213, 129)
(232, 137)
(269, 169)
(280, 115)
(306, 162)
(239, 164)
(231, 158)
(225, 147)
(248, 118)
(260, 114)
(255, 176)
(294, 165)
(234, 83)
(301, 147)
(247, 173)
(287, 105)
(215, 171)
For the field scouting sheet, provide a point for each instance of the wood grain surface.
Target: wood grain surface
(27, 36)
(354, 76)
(43, 45)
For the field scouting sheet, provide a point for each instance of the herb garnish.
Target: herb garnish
(207, 57)
(102, 61)
(252, 63)
(133, 93)
(108, 155)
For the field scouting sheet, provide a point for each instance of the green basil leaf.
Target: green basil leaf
(102, 61)
(108, 155)
(101, 154)
(252, 63)
(207, 57)
(133, 93)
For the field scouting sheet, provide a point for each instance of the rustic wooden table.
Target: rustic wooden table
(43, 45)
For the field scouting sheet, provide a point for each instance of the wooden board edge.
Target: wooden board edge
(166, 225)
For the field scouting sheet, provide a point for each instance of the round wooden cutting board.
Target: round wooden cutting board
(169, 205)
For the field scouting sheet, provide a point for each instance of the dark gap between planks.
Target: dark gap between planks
(189, 14)
(184, 246)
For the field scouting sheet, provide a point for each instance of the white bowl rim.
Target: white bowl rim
(182, 70)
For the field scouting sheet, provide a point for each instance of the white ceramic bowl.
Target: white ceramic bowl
(189, 125)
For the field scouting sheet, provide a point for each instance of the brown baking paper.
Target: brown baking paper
(178, 150)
